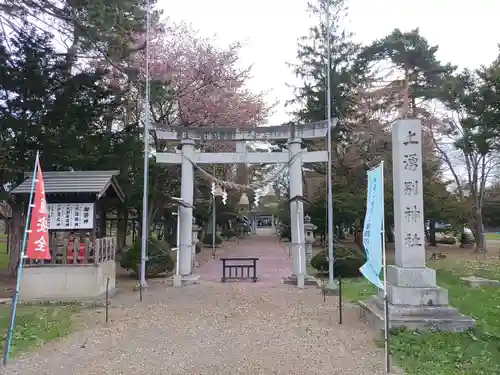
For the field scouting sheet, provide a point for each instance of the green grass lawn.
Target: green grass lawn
(4, 258)
(469, 353)
(492, 236)
(35, 325)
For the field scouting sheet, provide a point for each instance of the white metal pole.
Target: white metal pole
(177, 262)
(145, 192)
(300, 276)
(214, 226)
(384, 266)
(331, 255)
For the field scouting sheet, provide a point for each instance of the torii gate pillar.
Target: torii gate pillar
(296, 207)
(186, 213)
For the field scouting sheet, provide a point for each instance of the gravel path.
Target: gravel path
(213, 328)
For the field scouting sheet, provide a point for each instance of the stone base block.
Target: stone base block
(399, 295)
(179, 280)
(438, 318)
(411, 277)
(301, 281)
(292, 280)
(68, 283)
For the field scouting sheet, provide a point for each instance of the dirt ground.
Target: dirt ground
(7, 283)
(154, 320)
(216, 328)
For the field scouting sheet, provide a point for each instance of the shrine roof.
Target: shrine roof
(90, 182)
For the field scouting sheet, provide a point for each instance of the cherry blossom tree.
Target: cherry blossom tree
(196, 83)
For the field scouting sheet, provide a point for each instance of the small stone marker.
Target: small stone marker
(475, 282)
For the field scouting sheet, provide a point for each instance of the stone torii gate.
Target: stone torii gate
(187, 158)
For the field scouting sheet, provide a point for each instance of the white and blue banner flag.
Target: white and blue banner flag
(372, 231)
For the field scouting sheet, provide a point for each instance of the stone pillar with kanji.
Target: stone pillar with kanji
(415, 300)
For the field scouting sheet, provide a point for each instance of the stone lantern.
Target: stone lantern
(309, 229)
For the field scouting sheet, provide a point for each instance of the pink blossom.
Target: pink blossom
(205, 86)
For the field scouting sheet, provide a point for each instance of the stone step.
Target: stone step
(439, 318)
(435, 296)
(424, 310)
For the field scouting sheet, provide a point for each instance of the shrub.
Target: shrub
(286, 232)
(208, 239)
(448, 240)
(159, 258)
(241, 227)
(347, 262)
(228, 233)
(467, 238)
(320, 262)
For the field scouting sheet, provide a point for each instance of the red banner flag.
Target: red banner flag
(38, 233)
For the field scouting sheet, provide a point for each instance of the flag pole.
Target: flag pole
(10, 330)
(145, 177)
(384, 267)
(329, 204)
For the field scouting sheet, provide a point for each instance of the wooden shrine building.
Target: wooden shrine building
(82, 256)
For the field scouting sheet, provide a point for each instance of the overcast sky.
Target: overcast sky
(466, 32)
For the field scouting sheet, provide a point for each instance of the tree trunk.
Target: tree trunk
(389, 235)
(17, 228)
(134, 230)
(170, 229)
(432, 233)
(8, 233)
(121, 228)
(358, 238)
(101, 228)
(173, 233)
(479, 234)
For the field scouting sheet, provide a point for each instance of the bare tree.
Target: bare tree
(472, 168)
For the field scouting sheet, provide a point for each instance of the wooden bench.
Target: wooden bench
(244, 268)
